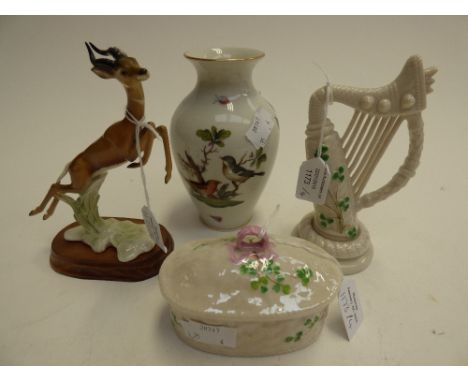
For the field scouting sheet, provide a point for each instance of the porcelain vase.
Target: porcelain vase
(223, 171)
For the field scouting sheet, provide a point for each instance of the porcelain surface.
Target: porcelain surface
(352, 158)
(222, 170)
(274, 305)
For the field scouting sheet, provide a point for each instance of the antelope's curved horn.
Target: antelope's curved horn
(100, 51)
(113, 51)
(101, 63)
(92, 58)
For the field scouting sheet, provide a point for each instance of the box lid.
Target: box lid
(213, 277)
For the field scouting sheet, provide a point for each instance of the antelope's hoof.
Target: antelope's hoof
(133, 165)
(167, 178)
(32, 213)
(46, 216)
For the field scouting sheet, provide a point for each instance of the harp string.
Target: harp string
(353, 131)
(350, 125)
(374, 139)
(359, 140)
(383, 144)
(364, 146)
(371, 161)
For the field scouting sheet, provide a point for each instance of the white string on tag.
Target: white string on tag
(140, 125)
(148, 216)
(314, 174)
(325, 114)
(263, 231)
(328, 100)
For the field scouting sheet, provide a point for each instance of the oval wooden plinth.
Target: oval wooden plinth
(77, 259)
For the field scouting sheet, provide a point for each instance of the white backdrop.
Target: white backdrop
(52, 107)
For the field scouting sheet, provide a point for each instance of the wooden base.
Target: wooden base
(77, 259)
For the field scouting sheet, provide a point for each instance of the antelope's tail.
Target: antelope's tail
(63, 173)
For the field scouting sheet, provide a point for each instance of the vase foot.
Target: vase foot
(76, 259)
(216, 225)
(354, 256)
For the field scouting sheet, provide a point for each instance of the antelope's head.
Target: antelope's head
(116, 65)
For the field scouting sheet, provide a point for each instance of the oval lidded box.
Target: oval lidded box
(251, 295)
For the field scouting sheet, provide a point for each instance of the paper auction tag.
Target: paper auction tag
(350, 306)
(260, 128)
(313, 181)
(153, 227)
(210, 334)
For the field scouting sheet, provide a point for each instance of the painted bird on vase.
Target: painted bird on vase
(207, 188)
(236, 173)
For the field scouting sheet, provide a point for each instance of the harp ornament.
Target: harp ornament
(352, 158)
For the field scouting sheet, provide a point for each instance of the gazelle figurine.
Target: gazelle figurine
(117, 146)
(351, 159)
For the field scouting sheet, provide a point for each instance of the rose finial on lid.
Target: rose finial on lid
(251, 242)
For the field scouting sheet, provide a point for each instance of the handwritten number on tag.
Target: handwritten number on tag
(261, 127)
(209, 334)
(313, 181)
(350, 306)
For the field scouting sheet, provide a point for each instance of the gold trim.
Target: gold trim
(198, 58)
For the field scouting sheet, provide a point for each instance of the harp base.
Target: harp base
(352, 266)
(354, 256)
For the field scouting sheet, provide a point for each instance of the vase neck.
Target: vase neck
(232, 76)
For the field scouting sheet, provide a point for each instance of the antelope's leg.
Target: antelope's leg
(80, 174)
(56, 190)
(162, 131)
(146, 144)
(51, 208)
(52, 193)
(44, 202)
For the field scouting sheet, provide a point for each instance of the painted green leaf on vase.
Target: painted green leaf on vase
(205, 135)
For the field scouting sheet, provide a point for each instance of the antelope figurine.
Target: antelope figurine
(118, 143)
